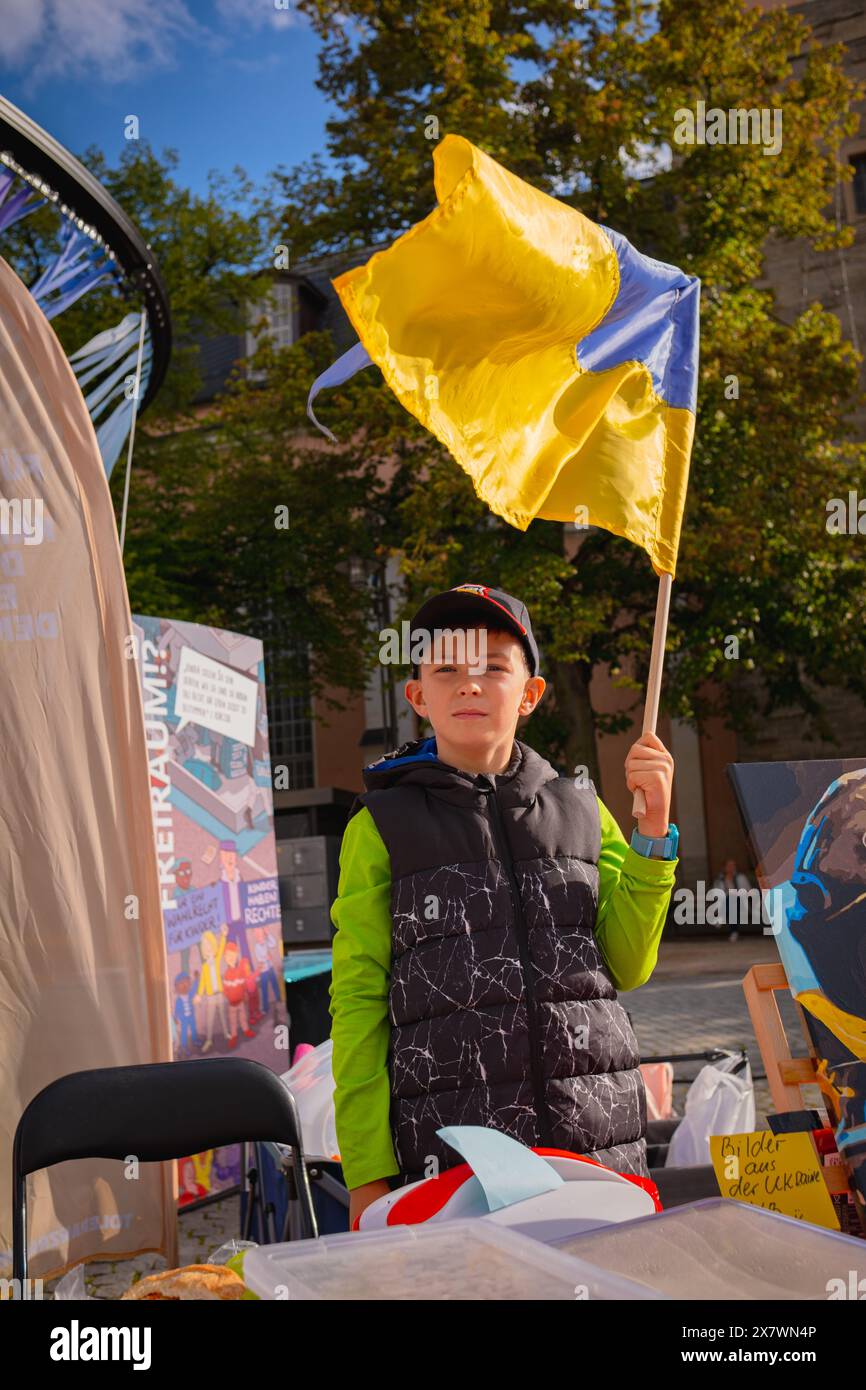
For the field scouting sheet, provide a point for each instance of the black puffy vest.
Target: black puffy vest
(502, 1011)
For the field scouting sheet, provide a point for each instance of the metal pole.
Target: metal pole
(132, 432)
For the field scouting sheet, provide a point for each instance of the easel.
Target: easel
(786, 1074)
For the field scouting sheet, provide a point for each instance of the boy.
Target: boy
(488, 910)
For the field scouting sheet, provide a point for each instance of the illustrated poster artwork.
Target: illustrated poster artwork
(206, 726)
(807, 824)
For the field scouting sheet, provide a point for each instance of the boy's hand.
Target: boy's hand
(361, 1197)
(650, 767)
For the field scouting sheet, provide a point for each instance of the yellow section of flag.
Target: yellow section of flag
(476, 317)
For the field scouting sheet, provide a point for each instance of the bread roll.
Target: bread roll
(211, 1282)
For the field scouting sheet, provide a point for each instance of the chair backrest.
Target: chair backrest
(154, 1112)
(157, 1111)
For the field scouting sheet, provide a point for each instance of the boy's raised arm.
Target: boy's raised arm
(633, 897)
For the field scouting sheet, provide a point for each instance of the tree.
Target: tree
(241, 521)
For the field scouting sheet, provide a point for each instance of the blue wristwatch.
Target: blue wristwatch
(656, 847)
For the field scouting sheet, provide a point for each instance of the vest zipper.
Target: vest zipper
(522, 932)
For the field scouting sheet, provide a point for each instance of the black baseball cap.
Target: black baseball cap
(470, 604)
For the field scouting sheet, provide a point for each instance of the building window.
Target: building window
(290, 724)
(859, 185)
(278, 312)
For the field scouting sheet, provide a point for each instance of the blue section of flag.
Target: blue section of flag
(654, 320)
(345, 367)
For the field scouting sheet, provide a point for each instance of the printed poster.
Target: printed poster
(206, 726)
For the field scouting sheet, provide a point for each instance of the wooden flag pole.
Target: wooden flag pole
(654, 683)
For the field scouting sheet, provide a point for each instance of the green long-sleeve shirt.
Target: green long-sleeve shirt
(633, 896)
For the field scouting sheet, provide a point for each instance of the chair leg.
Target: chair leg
(307, 1214)
(271, 1214)
(19, 1228)
(287, 1222)
(250, 1176)
(263, 1204)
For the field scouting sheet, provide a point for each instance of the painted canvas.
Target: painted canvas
(807, 825)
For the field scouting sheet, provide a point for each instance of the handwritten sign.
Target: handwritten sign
(781, 1172)
(193, 914)
(215, 697)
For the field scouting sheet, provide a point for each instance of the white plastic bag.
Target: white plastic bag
(311, 1082)
(718, 1102)
(71, 1289)
(229, 1249)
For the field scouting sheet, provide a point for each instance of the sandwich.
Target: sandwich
(211, 1282)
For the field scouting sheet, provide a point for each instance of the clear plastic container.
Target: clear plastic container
(722, 1249)
(453, 1260)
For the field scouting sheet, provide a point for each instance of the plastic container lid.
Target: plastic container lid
(718, 1248)
(454, 1260)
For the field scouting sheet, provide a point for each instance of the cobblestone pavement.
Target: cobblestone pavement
(693, 1002)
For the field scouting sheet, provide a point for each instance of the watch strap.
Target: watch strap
(656, 847)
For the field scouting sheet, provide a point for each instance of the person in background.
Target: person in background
(730, 880)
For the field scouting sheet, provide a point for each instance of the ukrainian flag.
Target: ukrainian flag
(555, 362)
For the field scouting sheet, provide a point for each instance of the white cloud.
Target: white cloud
(276, 14)
(112, 40)
(122, 40)
(23, 22)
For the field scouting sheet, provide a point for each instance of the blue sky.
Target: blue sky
(226, 82)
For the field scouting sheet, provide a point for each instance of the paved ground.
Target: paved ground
(200, 1233)
(693, 1002)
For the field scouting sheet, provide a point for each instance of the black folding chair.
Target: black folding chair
(164, 1110)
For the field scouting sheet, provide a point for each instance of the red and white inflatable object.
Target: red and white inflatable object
(589, 1196)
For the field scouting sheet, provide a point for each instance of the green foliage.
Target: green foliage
(759, 563)
(249, 526)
